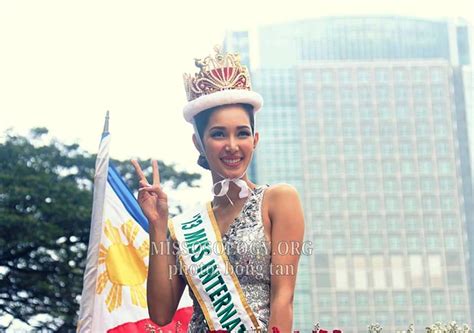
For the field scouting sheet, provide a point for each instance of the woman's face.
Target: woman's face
(228, 141)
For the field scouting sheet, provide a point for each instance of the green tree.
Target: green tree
(45, 210)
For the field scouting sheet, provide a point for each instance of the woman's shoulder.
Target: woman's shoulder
(281, 191)
(283, 203)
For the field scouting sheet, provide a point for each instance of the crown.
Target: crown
(218, 73)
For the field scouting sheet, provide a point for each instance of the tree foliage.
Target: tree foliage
(45, 210)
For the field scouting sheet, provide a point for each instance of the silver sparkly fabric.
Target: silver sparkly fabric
(250, 255)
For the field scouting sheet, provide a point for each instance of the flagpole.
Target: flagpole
(106, 124)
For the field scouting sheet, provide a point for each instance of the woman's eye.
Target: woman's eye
(217, 134)
(244, 133)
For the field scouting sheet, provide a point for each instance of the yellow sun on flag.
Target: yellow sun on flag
(124, 265)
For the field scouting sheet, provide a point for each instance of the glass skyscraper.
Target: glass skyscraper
(368, 117)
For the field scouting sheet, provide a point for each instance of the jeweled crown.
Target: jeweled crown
(221, 72)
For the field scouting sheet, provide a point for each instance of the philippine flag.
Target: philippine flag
(114, 292)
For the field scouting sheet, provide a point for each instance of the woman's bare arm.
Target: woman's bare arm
(164, 285)
(287, 219)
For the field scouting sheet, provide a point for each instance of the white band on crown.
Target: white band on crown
(224, 97)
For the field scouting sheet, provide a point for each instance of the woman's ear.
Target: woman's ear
(256, 137)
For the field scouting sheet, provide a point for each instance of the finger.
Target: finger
(156, 172)
(154, 189)
(143, 183)
(138, 170)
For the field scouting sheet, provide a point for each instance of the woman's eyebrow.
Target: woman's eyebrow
(223, 127)
(217, 127)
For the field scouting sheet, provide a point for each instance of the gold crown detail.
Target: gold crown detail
(221, 72)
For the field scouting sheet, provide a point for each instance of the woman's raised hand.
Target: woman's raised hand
(151, 198)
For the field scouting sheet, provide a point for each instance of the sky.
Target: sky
(64, 63)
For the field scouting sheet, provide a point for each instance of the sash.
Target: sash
(209, 272)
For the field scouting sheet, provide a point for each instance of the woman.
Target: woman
(239, 254)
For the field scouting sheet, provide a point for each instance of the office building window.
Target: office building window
(339, 244)
(424, 148)
(411, 203)
(409, 185)
(361, 299)
(399, 299)
(324, 300)
(413, 243)
(448, 203)
(412, 223)
(405, 129)
(446, 167)
(400, 75)
(450, 222)
(420, 74)
(437, 298)
(434, 266)
(447, 184)
(363, 75)
(392, 204)
(398, 273)
(401, 319)
(436, 75)
(378, 271)
(341, 273)
(360, 273)
(344, 320)
(427, 184)
(452, 242)
(426, 167)
(421, 319)
(455, 278)
(343, 299)
(345, 76)
(327, 76)
(407, 167)
(354, 204)
(429, 202)
(458, 298)
(354, 186)
(335, 186)
(389, 167)
(391, 185)
(380, 298)
(387, 129)
(382, 75)
(377, 244)
(322, 280)
(416, 271)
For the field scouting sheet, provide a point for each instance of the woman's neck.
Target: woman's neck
(232, 193)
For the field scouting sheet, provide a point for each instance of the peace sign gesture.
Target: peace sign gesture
(151, 198)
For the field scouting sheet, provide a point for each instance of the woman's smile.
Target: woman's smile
(232, 161)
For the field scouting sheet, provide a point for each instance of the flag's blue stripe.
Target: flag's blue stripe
(126, 197)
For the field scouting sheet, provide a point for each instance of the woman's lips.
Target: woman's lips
(231, 161)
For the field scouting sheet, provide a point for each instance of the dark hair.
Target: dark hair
(202, 120)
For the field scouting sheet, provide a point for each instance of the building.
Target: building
(368, 117)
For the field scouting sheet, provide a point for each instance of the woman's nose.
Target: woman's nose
(232, 145)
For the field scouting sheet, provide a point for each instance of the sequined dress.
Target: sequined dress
(250, 256)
